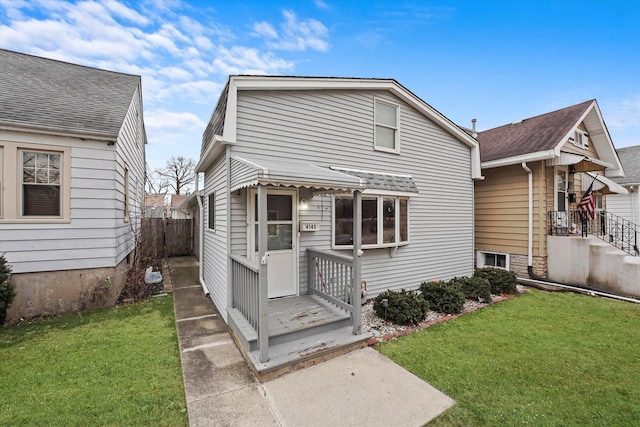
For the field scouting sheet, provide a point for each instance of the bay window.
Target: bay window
(384, 221)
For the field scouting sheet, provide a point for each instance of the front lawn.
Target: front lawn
(537, 359)
(118, 366)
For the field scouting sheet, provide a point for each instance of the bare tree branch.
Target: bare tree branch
(178, 173)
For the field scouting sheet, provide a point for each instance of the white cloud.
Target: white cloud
(295, 34)
(175, 73)
(244, 60)
(162, 120)
(265, 29)
(624, 113)
(321, 5)
(123, 11)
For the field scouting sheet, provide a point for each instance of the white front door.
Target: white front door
(282, 241)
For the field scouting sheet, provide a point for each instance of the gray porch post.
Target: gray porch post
(263, 258)
(357, 264)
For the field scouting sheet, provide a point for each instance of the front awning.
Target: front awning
(246, 172)
(605, 185)
(580, 163)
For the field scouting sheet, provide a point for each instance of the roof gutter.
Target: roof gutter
(213, 151)
(58, 131)
(533, 157)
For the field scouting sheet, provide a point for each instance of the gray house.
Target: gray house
(318, 187)
(72, 164)
(627, 206)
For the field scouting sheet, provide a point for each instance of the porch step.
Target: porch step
(298, 317)
(307, 351)
(291, 319)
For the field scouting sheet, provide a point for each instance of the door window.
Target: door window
(279, 222)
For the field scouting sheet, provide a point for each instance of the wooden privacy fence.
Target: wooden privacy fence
(166, 237)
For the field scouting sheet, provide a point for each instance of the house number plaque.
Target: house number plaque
(309, 226)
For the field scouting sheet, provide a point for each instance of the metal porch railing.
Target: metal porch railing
(616, 231)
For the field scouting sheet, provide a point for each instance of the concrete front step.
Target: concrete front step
(307, 351)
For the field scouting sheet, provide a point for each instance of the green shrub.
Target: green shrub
(502, 281)
(7, 289)
(443, 297)
(475, 288)
(401, 307)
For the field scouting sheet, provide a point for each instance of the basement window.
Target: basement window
(492, 259)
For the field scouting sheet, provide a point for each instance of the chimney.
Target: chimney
(473, 128)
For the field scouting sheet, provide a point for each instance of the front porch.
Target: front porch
(320, 322)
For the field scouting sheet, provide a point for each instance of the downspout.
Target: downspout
(201, 245)
(530, 225)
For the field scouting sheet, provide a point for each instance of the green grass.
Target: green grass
(538, 359)
(118, 366)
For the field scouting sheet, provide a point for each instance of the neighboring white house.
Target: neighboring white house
(284, 159)
(72, 164)
(175, 207)
(627, 206)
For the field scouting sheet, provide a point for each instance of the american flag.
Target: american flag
(587, 204)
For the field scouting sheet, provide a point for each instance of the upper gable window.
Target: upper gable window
(580, 139)
(387, 126)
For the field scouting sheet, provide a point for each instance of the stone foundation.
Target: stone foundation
(519, 265)
(50, 293)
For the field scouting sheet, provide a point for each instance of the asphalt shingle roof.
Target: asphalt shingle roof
(630, 159)
(42, 92)
(383, 181)
(539, 133)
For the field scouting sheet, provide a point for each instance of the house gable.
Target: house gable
(215, 137)
(545, 136)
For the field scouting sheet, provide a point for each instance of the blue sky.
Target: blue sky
(497, 61)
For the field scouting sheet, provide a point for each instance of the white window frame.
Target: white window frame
(21, 183)
(482, 255)
(396, 129)
(380, 221)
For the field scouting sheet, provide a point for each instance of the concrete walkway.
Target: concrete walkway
(360, 388)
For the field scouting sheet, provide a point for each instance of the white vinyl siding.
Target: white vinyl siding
(215, 241)
(334, 128)
(626, 206)
(129, 196)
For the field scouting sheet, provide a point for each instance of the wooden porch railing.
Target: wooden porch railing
(331, 277)
(245, 278)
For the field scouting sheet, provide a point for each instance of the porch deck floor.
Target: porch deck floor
(292, 314)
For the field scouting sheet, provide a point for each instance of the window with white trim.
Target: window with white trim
(41, 184)
(387, 118)
(385, 221)
(492, 259)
